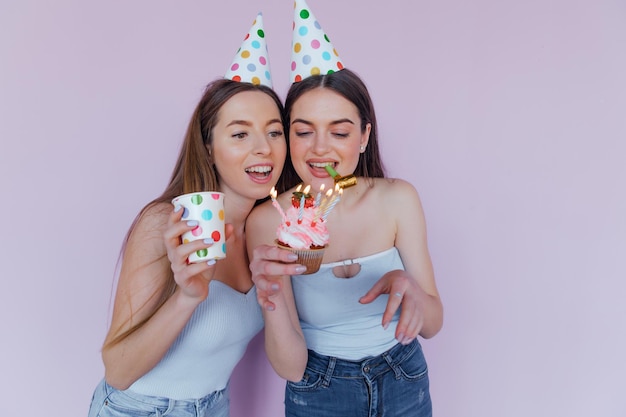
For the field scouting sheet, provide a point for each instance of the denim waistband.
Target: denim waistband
(170, 403)
(370, 366)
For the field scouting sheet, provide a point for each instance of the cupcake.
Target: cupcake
(303, 228)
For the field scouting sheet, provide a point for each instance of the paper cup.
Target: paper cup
(207, 208)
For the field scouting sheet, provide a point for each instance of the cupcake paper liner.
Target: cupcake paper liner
(311, 258)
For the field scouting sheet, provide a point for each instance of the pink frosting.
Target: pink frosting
(305, 233)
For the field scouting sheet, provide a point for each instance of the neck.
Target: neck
(236, 211)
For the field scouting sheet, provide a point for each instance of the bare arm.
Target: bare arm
(270, 266)
(152, 251)
(413, 290)
(411, 241)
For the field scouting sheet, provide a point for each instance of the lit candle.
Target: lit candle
(273, 194)
(301, 209)
(332, 204)
(318, 197)
(321, 207)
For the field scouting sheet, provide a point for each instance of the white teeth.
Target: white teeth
(321, 164)
(259, 169)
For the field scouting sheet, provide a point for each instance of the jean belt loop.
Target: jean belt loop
(196, 406)
(393, 365)
(329, 371)
(170, 406)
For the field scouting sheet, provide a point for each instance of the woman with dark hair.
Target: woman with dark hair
(337, 335)
(341, 345)
(178, 329)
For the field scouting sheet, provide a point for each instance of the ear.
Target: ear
(365, 137)
(228, 230)
(209, 151)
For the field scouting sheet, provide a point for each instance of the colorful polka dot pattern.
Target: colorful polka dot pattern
(312, 53)
(208, 210)
(251, 62)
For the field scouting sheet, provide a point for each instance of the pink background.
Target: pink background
(508, 116)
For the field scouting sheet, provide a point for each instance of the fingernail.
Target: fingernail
(177, 208)
(400, 337)
(275, 287)
(209, 241)
(300, 269)
(211, 262)
(407, 340)
(385, 325)
(191, 223)
(292, 257)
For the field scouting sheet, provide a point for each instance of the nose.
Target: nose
(320, 144)
(262, 146)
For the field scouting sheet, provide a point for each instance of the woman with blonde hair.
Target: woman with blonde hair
(178, 329)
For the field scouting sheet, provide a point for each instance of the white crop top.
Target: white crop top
(333, 321)
(202, 358)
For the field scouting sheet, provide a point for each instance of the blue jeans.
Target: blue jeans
(110, 402)
(393, 384)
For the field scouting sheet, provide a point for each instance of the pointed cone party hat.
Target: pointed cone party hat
(311, 50)
(251, 63)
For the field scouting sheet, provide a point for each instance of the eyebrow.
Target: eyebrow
(247, 123)
(334, 122)
(239, 122)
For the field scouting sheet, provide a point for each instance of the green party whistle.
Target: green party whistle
(343, 182)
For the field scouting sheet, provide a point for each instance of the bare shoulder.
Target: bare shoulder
(261, 224)
(396, 190)
(260, 214)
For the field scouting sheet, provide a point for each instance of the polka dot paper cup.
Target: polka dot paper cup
(207, 208)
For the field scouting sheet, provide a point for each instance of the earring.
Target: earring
(362, 148)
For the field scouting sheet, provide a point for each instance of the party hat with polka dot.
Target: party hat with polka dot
(251, 63)
(311, 50)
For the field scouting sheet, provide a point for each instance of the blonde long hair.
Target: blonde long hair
(194, 169)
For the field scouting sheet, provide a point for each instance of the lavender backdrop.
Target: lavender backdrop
(507, 116)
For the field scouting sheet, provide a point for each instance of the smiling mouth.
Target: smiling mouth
(259, 171)
(321, 165)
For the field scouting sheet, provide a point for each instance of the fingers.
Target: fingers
(179, 254)
(402, 295)
(393, 303)
(380, 287)
(411, 317)
(267, 265)
(175, 228)
(410, 323)
(270, 260)
(265, 284)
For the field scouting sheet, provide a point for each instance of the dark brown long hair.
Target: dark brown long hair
(194, 169)
(352, 88)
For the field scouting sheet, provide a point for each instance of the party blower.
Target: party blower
(343, 182)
